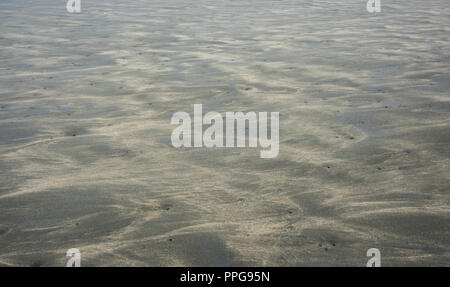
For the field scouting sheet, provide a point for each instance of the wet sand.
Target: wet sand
(85, 154)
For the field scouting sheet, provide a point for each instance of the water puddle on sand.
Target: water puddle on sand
(18, 136)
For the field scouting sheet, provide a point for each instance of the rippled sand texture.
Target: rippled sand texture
(86, 160)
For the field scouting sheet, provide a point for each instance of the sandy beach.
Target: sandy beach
(86, 159)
